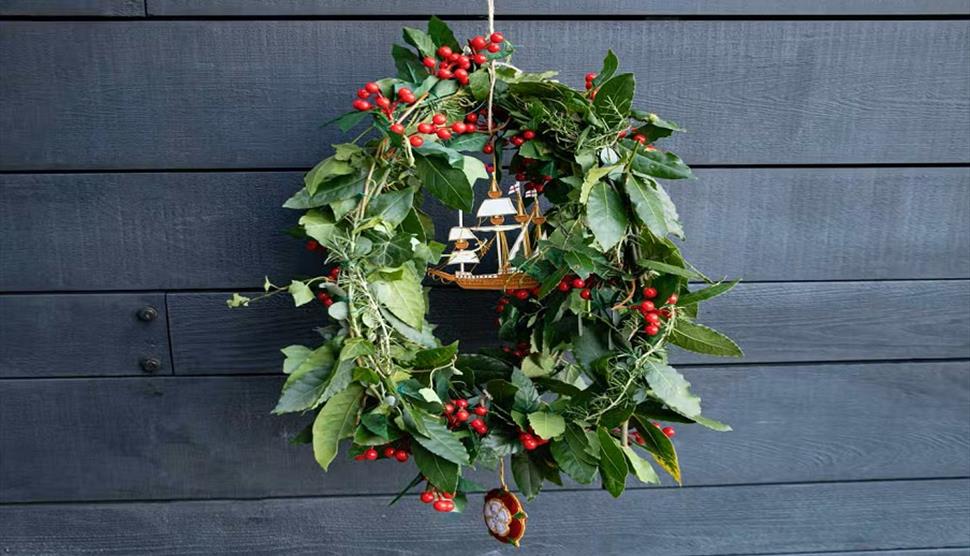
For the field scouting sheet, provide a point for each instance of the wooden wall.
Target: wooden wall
(146, 145)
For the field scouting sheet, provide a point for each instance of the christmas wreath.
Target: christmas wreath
(593, 289)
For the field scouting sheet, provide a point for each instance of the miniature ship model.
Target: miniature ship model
(494, 210)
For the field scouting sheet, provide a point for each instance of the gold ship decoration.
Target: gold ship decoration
(492, 213)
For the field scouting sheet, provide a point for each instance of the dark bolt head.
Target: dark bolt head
(150, 364)
(147, 314)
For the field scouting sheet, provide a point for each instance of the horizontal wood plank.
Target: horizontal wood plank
(82, 335)
(695, 521)
(193, 437)
(72, 8)
(560, 8)
(246, 94)
(755, 224)
(842, 321)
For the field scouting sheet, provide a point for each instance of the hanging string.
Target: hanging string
(491, 66)
(501, 473)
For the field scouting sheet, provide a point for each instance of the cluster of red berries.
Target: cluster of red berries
(576, 283)
(520, 139)
(443, 501)
(455, 65)
(651, 314)
(387, 106)
(438, 126)
(530, 440)
(537, 184)
(389, 452)
(589, 80)
(325, 298)
(456, 411)
(521, 351)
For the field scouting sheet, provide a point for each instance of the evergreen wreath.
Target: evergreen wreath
(583, 383)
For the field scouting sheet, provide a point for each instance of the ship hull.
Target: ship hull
(498, 282)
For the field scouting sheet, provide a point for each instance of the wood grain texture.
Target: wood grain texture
(224, 230)
(194, 437)
(842, 321)
(72, 8)
(561, 8)
(252, 94)
(81, 335)
(694, 521)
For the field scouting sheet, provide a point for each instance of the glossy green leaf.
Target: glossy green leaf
(409, 67)
(702, 339)
(442, 34)
(442, 473)
(665, 268)
(659, 446)
(528, 476)
(641, 468)
(327, 169)
(614, 99)
(653, 206)
(547, 425)
(660, 164)
(302, 294)
(420, 40)
(613, 463)
(707, 293)
(671, 387)
(441, 441)
(570, 453)
(402, 296)
(610, 64)
(449, 185)
(392, 206)
(335, 422)
(435, 357)
(605, 215)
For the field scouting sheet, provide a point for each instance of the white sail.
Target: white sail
(518, 243)
(500, 228)
(462, 257)
(458, 232)
(496, 207)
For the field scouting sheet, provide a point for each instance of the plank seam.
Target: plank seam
(547, 492)
(956, 16)
(866, 551)
(695, 366)
(255, 289)
(284, 169)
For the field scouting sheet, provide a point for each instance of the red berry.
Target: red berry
(482, 430)
(312, 245)
(453, 57)
(461, 415)
(652, 330)
(530, 444)
(623, 133)
(471, 118)
(479, 59)
(476, 424)
(449, 408)
(428, 62)
(496, 38)
(334, 272)
(564, 287)
(578, 283)
(529, 134)
(416, 140)
(525, 437)
(427, 497)
(327, 302)
(444, 74)
(586, 294)
(389, 452)
(669, 432)
(397, 128)
(461, 74)
(640, 138)
(401, 456)
(647, 306)
(493, 48)
(323, 296)
(444, 134)
(649, 293)
(425, 128)
(444, 52)
(370, 454)
(359, 457)
(459, 127)
(448, 495)
(461, 403)
(481, 411)
(478, 42)
(522, 294)
(672, 300)
(443, 505)
(590, 76)
(517, 141)
(404, 93)
(362, 93)
(372, 87)
(464, 63)
(439, 119)
(383, 102)
(652, 318)
(488, 149)
(361, 105)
